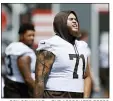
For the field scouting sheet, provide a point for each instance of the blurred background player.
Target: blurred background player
(62, 67)
(104, 65)
(20, 64)
(84, 36)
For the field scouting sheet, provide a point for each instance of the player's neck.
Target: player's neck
(30, 46)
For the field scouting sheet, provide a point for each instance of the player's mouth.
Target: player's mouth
(75, 26)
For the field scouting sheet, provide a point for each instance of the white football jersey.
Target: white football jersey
(13, 51)
(67, 70)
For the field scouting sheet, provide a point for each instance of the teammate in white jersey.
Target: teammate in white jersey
(20, 64)
(62, 61)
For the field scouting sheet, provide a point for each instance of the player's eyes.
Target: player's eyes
(72, 19)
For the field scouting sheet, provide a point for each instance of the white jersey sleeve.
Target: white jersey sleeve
(17, 48)
(84, 46)
(46, 45)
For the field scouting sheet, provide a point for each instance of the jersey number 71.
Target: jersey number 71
(72, 56)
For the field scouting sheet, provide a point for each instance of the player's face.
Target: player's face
(29, 37)
(72, 24)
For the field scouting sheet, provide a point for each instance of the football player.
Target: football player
(62, 65)
(20, 64)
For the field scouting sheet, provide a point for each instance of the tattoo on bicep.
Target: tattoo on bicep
(44, 62)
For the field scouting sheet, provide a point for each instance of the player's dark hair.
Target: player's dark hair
(24, 27)
(60, 25)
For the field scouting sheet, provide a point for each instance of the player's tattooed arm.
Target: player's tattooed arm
(44, 62)
(25, 70)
